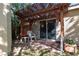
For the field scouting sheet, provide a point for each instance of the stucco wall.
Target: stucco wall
(36, 29)
(5, 29)
(71, 22)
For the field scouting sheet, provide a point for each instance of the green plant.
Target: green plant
(15, 22)
(70, 41)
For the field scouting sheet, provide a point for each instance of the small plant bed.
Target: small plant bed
(70, 46)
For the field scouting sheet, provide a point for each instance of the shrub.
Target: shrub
(70, 41)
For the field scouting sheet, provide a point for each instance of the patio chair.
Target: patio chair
(31, 36)
(24, 39)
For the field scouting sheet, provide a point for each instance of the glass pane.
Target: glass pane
(42, 29)
(51, 29)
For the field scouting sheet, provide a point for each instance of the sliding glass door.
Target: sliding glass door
(43, 29)
(48, 29)
(51, 29)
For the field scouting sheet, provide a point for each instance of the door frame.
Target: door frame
(46, 26)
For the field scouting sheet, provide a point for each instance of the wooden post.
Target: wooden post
(62, 30)
(30, 25)
(21, 31)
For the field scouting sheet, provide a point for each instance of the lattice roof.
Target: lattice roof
(42, 10)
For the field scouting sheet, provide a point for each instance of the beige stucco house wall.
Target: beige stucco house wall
(5, 29)
(71, 22)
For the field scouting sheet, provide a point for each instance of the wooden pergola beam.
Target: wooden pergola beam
(42, 11)
(46, 10)
(50, 15)
(43, 17)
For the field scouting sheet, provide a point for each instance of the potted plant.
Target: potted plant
(70, 45)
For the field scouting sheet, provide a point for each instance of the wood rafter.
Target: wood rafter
(51, 8)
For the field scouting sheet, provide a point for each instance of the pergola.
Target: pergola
(38, 11)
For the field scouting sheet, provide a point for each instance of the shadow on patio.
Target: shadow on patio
(38, 47)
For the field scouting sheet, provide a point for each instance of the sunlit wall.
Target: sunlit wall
(5, 29)
(71, 22)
